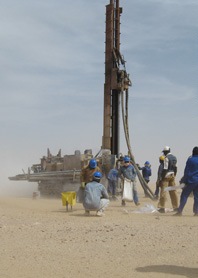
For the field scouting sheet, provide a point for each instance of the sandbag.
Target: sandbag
(128, 191)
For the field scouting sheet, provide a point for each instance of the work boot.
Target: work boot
(123, 203)
(99, 213)
(137, 204)
(177, 214)
(161, 210)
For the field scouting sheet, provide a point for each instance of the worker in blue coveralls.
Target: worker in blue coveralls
(146, 173)
(112, 182)
(190, 179)
(128, 171)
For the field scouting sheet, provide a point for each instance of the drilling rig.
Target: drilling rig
(55, 174)
(116, 86)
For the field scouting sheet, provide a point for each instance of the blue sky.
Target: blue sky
(52, 78)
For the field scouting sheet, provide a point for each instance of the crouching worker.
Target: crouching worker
(96, 197)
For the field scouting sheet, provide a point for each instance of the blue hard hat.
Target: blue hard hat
(147, 163)
(126, 159)
(97, 175)
(92, 163)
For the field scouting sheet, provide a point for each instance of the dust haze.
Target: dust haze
(17, 188)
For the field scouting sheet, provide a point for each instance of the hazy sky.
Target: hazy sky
(52, 78)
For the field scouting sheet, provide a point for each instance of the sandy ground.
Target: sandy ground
(40, 239)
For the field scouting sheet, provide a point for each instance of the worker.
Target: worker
(87, 172)
(113, 182)
(127, 171)
(190, 179)
(159, 176)
(85, 177)
(146, 173)
(96, 197)
(169, 172)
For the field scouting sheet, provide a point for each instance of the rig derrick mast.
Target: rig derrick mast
(116, 79)
(116, 86)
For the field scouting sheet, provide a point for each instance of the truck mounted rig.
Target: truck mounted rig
(55, 174)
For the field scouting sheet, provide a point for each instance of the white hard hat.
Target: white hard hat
(166, 148)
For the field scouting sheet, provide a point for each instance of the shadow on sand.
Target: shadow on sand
(171, 269)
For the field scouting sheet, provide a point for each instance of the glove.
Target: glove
(82, 185)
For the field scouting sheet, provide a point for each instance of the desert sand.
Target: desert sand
(40, 239)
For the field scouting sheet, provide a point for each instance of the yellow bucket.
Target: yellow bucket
(68, 198)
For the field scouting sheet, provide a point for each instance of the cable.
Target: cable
(126, 131)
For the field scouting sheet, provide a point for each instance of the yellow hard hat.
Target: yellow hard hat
(162, 157)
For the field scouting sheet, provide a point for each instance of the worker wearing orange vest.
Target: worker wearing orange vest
(88, 171)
